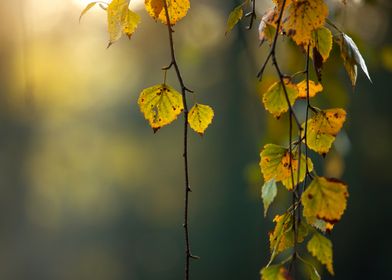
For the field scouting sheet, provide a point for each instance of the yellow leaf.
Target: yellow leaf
(282, 237)
(275, 164)
(314, 88)
(121, 19)
(266, 27)
(322, 41)
(234, 17)
(85, 10)
(322, 129)
(200, 117)
(321, 248)
(325, 199)
(275, 272)
(177, 9)
(302, 17)
(160, 104)
(275, 100)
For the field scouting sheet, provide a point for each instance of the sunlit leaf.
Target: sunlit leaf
(275, 164)
(275, 100)
(322, 41)
(266, 27)
(177, 9)
(275, 272)
(85, 10)
(160, 104)
(321, 248)
(283, 235)
(268, 194)
(121, 20)
(303, 17)
(352, 58)
(234, 17)
(325, 199)
(314, 88)
(200, 117)
(322, 129)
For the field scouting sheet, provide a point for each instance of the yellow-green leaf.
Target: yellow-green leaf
(314, 88)
(234, 17)
(323, 128)
(321, 248)
(275, 164)
(121, 20)
(200, 117)
(177, 9)
(268, 194)
(275, 272)
(304, 16)
(322, 41)
(325, 199)
(160, 104)
(85, 10)
(275, 100)
(352, 58)
(266, 27)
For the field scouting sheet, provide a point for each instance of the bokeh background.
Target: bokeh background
(89, 192)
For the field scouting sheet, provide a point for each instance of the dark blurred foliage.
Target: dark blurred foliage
(89, 192)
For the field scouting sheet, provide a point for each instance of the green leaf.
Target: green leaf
(200, 117)
(160, 104)
(275, 272)
(325, 199)
(352, 58)
(275, 100)
(321, 248)
(234, 17)
(313, 273)
(268, 194)
(85, 10)
(322, 41)
(322, 129)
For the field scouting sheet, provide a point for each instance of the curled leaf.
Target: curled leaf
(234, 17)
(268, 194)
(160, 104)
(85, 10)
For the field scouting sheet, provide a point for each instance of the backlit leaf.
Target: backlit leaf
(352, 58)
(325, 199)
(282, 237)
(303, 17)
(322, 41)
(266, 27)
(275, 164)
(160, 104)
(121, 20)
(177, 9)
(275, 272)
(314, 88)
(268, 194)
(323, 128)
(275, 100)
(234, 17)
(85, 10)
(321, 248)
(200, 117)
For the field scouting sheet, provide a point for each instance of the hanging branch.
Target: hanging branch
(187, 189)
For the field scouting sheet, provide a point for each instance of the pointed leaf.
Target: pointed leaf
(321, 248)
(266, 27)
(268, 194)
(160, 104)
(323, 128)
(200, 117)
(322, 41)
(325, 199)
(275, 100)
(85, 10)
(234, 17)
(177, 9)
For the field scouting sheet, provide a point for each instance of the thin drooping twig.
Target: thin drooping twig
(251, 14)
(184, 90)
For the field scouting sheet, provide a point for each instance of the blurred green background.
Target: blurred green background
(89, 192)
